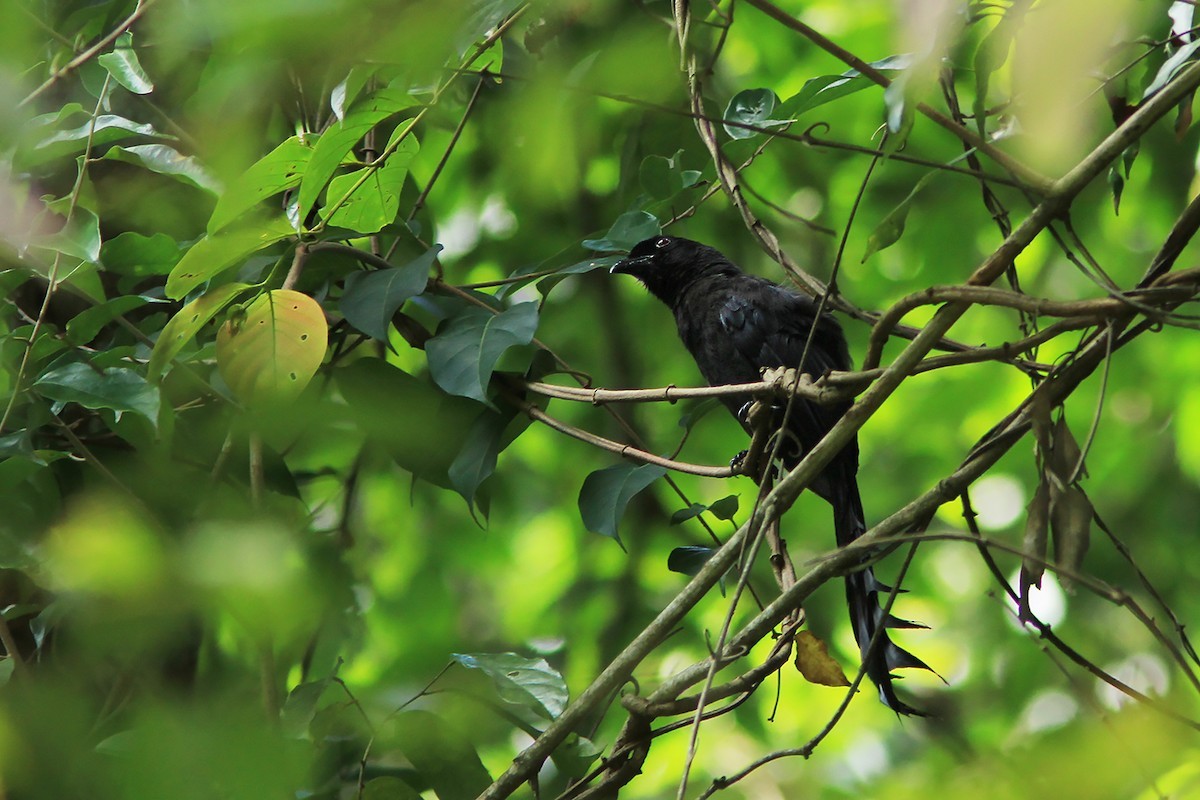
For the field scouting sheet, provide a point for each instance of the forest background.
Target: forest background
(315, 475)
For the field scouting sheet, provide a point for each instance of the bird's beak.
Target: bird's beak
(630, 266)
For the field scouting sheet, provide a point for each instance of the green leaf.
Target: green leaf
(118, 389)
(528, 682)
(1116, 185)
(269, 355)
(78, 238)
(84, 326)
(899, 114)
(629, 229)
(139, 256)
(371, 298)
(346, 92)
(166, 161)
(375, 203)
(476, 461)
(337, 142)
(301, 706)
(1170, 68)
(122, 63)
(826, 88)
(217, 252)
(182, 327)
(691, 512)
(751, 107)
(606, 493)
(663, 178)
(425, 439)
(441, 755)
(277, 171)
(891, 227)
(689, 560)
(466, 348)
(107, 128)
(725, 508)
(389, 788)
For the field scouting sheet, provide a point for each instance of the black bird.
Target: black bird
(734, 325)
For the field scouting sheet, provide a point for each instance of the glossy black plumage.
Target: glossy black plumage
(734, 325)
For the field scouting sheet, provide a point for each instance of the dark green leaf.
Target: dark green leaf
(118, 389)
(476, 461)
(725, 508)
(372, 298)
(426, 437)
(528, 682)
(591, 264)
(684, 514)
(139, 256)
(84, 326)
(441, 755)
(1116, 185)
(275, 172)
(606, 493)
(466, 348)
(389, 788)
(629, 229)
(689, 560)
(663, 178)
(751, 107)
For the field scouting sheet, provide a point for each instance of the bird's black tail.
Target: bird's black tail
(863, 591)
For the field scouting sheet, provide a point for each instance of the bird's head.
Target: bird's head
(666, 265)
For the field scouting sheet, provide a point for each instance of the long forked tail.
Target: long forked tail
(863, 592)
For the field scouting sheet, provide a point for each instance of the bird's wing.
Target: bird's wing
(770, 327)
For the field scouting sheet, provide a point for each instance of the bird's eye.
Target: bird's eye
(662, 242)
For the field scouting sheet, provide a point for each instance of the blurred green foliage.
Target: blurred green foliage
(214, 594)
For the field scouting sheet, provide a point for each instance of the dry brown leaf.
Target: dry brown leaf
(814, 662)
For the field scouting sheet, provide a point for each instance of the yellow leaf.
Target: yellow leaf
(270, 353)
(815, 663)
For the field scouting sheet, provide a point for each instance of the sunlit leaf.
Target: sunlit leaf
(375, 201)
(751, 107)
(528, 682)
(166, 161)
(122, 63)
(338, 140)
(270, 354)
(216, 253)
(182, 327)
(814, 662)
(278, 170)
